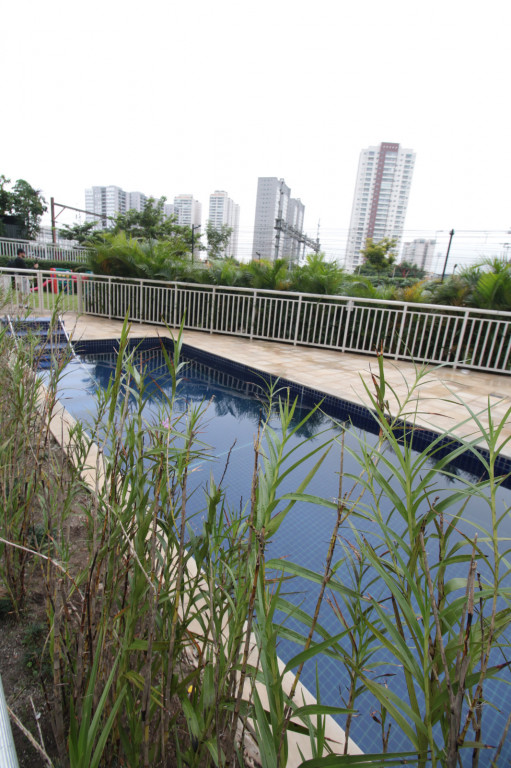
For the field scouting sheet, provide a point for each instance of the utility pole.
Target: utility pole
(69, 208)
(451, 234)
(53, 227)
(279, 221)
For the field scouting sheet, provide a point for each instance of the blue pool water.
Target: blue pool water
(234, 396)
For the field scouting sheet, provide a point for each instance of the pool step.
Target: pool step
(51, 340)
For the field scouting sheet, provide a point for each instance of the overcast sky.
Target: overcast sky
(189, 97)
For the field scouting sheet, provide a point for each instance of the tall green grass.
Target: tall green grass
(163, 641)
(403, 608)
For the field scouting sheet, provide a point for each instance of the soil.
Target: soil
(24, 665)
(22, 684)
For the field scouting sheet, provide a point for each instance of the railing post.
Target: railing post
(349, 309)
(8, 756)
(297, 324)
(212, 308)
(252, 319)
(39, 280)
(174, 308)
(400, 335)
(460, 342)
(79, 293)
(109, 298)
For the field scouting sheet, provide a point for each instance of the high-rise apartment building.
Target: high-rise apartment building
(107, 202)
(381, 198)
(278, 225)
(420, 252)
(187, 210)
(224, 212)
(135, 201)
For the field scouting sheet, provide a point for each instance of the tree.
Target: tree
(5, 202)
(150, 223)
(272, 275)
(218, 240)
(5, 196)
(378, 257)
(486, 284)
(28, 205)
(126, 256)
(407, 269)
(24, 203)
(81, 233)
(493, 287)
(317, 275)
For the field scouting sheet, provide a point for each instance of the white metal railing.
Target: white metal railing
(42, 251)
(8, 757)
(425, 333)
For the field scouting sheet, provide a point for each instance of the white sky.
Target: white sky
(189, 97)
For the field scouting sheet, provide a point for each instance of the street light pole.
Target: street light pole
(451, 234)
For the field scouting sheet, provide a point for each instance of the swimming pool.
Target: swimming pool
(234, 392)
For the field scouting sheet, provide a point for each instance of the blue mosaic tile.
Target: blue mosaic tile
(337, 408)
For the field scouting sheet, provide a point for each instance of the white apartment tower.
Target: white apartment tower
(135, 201)
(223, 211)
(274, 205)
(109, 201)
(187, 210)
(381, 198)
(420, 252)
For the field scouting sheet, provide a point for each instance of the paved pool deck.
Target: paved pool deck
(441, 401)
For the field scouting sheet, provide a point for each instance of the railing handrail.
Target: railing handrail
(44, 244)
(44, 250)
(296, 295)
(424, 333)
(289, 295)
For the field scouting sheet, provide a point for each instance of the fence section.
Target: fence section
(41, 251)
(472, 338)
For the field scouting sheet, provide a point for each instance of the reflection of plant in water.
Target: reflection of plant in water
(229, 394)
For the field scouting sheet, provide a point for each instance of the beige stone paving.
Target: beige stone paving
(442, 396)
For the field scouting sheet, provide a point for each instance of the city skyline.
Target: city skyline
(434, 80)
(469, 245)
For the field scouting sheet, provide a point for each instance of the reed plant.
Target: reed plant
(175, 624)
(163, 634)
(421, 594)
(29, 501)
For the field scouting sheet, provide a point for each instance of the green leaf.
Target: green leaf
(320, 709)
(376, 760)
